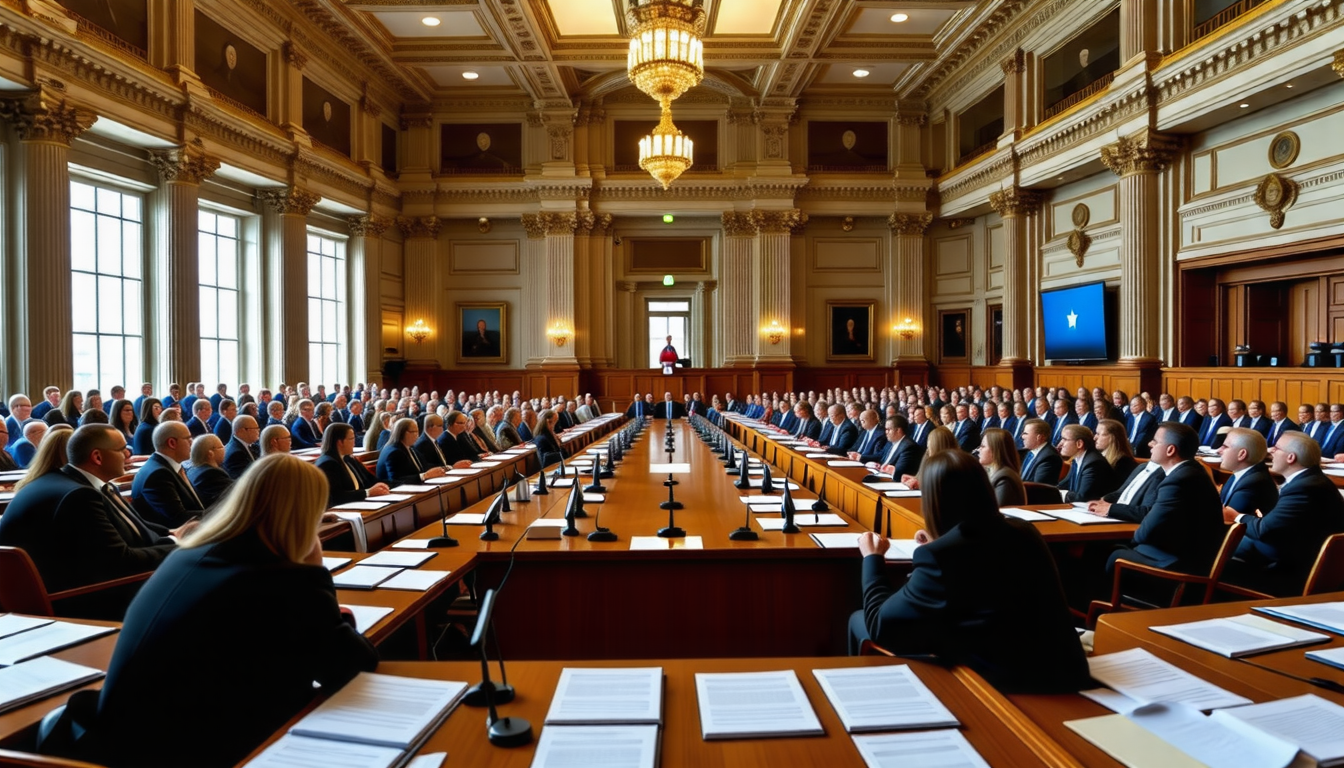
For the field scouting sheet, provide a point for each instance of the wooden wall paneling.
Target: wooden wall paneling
(1198, 337)
(1308, 316)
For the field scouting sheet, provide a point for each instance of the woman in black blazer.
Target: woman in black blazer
(984, 591)
(546, 440)
(1113, 442)
(143, 444)
(347, 478)
(998, 455)
(397, 463)
(224, 642)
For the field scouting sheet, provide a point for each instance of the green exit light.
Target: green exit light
(667, 218)
(668, 280)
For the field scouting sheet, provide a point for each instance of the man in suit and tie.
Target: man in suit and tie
(348, 479)
(1134, 498)
(965, 430)
(698, 407)
(899, 455)
(78, 530)
(20, 413)
(1332, 435)
(51, 398)
(1257, 419)
(207, 476)
(1082, 409)
(25, 448)
(1316, 427)
(1064, 416)
(221, 392)
(1282, 542)
(1090, 474)
(1306, 416)
(426, 447)
(304, 430)
(669, 408)
(1236, 412)
(146, 391)
(354, 416)
(806, 425)
(223, 428)
(638, 410)
(1279, 423)
(1217, 420)
(161, 491)
(1187, 415)
(241, 451)
(1040, 462)
(1020, 419)
(198, 424)
(1250, 487)
(456, 447)
(1141, 426)
(1166, 408)
(920, 427)
(847, 439)
(1184, 528)
(275, 413)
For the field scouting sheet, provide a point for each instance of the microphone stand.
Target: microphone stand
(596, 486)
(789, 510)
(767, 483)
(540, 490)
(502, 732)
(744, 478)
(601, 534)
(572, 510)
(731, 468)
(445, 540)
(671, 505)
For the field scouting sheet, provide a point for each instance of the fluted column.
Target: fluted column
(174, 294)
(906, 288)
(1138, 160)
(632, 355)
(38, 327)
(293, 60)
(1139, 24)
(285, 227)
(1016, 205)
(533, 314)
(701, 346)
(739, 322)
(597, 288)
(774, 246)
(172, 39)
(364, 256)
(584, 337)
(560, 311)
(423, 285)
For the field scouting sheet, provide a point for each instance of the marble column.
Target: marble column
(1139, 23)
(533, 314)
(423, 288)
(173, 283)
(560, 310)
(738, 323)
(585, 221)
(1138, 160)
(1015, 95)
(364, 256)
(293, 60)
(906, 290)
(285, 229)
(701, 346)
(1016, 205)
(773, 281)
(595, 291)
(37, 317)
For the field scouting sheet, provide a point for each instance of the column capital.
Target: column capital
(739, 224)
(559, 223)
(47, 117)
(368, 226)
(1144, 152)
(914, 224)
(293, 54)
(1338, 64)
(419, 226)
(1015, 64)
(184, 165)
(589, 223)
(532, 224)
(1016, 201)
(790, 221)
(291, 200)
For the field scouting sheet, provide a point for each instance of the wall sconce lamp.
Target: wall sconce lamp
(906, 329)
(774, 332)
(484, 225)
(419, 331)
(559, 335)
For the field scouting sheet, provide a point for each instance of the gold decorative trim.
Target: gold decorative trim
(419, 226)
(1081, 215)
(1276, 195)
(1078, 243)
(1283, 150)
(914, 224)
(294, 200)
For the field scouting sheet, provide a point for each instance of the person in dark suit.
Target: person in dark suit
(275, 414)
(397, 463)
(870, 442)
(207, 475)
(143, 444)
(999, 457)
(1250, 486)
(221, 394)
(669, 408)
(347, 478)
(78, 530)
(965, 430)
(899, 455)
(241, 451)
(1064, 416)
(146, 392)
(1090, 474)
(507, 434)
(1209, 427)
(1184, 527)
(1040, 462)
(482, 342)
(1257, 418)
(920, 426)
(454, 444)
(248, 592)
(1282, 541)
(1016, 632)
(1140, 426)
(1332, 439)
(547, 442)
(161, 491)
(304, 429)
(1316, 426)
(7, 463)
(25, 448)
(1279, 423)
(426, 447)
(843, 435)
(355, 418)
(198, 423)
(1187, 415)
(1135, 496)
(638, 409)
(227, 412)
(20, 413)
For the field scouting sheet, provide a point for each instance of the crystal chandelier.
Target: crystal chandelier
(665, 153)
(667, 57)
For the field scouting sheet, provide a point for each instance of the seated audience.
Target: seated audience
(242, 450)
(1090, 475)
(25, 447)
(347, 478)
(162, 493)
(397, 463)
(207, 475)
(1040, 462)
(1250, 487)
(998, 456)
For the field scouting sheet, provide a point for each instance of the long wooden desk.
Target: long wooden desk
(18, 726)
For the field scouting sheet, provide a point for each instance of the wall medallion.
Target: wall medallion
(1283, 150)
(1276, 195)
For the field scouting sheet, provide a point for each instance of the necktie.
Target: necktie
(442, 461)
(1329, 434)
(1026, 466)
(919, 430)
(1227, 489)
(114, 501)
(1134, 432)
(414, 460)
(182, 473)
(863, 447)
(891, 455)
(1073, 472)
(1274, 432)
(1134, 487)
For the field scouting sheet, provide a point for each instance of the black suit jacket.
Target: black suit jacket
(956, 604)
(161, 497)
(811, 429)
(1147, 430)
(396, 467)
(660, 410)
(1138, 507)
(143, 444)
(547, 445)
(843, 438)
(266, 624)
(340, 489)
(1255, 490)
(1276, 431)
(969, 437)
(1289, 536)
(1184, 527)
(427, 451)
(458, 448)
(1090, 478)
(1045, 469)
(238, 458)
(905, 456)
(210, 483)
(74, 539)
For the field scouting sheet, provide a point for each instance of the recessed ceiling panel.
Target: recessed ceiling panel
(451, 76)
(584, 17)
(877, 21)
(878, 74)
(746, 17)
(411, 24)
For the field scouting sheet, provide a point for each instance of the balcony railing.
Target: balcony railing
(236, 105)
(847, 169)
(1096, 86)
(1224, 16)
(983, 149)
(88, 29)
(504, 170)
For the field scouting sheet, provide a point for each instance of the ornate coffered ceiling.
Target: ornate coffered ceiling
(562, 49)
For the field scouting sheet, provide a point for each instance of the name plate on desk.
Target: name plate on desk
(669, 469)
(655, 542)
(545, 528)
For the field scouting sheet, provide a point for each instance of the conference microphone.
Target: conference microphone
(820, 504)
(671, 505)
(601, 534)
(596, 486)
(767, 483)
(609, 463)
(789, 511)
(559, 472)
(540, 490)
(445, 540)
(744, 478)
(502, 732)
(731, 467)
(572, 510)
(493, 517)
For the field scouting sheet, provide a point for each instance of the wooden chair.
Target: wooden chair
(1210, 583)
(1041, 493)
(1327, 574)
(26, 760)
(22, 590)
(869, 648)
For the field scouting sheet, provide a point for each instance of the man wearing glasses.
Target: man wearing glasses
(161, 491)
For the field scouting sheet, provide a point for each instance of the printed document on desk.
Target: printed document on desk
(1327, 616)
(382, 710)
(25, 683)
(944, 749)
(47, 639)
(607, 696)
(1312, 723)
(753, 705)
(597, 746)
(1237, 636)
(901, 549)
(1143, 677)
(291, 751)
(883, 699)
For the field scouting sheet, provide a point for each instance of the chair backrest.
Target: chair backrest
(1327, 575)
(1041, 493)
(21, 587)
(1230, 541)
(26, 760)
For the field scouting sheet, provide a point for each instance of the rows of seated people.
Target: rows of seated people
(69, 514)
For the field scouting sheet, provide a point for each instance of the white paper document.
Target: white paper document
(657, 542)
(1313, 724)
(413, 489)
(844, 463)
(888, 486)
(607, 696)
(363, 506)
(745, 705)
(36, 679)
(12, 623)
(882, 699)
(802, 520)
(383, 710)
(387, 559)
(1327, 616)
(394, 497)
(367, 615)
(1217, 742)
(562, 482)
(597, 746)
(1025, 514)
(357, 530)
(414, 581)
(333, 563)
(363, 577)
(901, 549)
(1077, 517)
(1237, 636)
(412, 544)
(937, 749)
(755, 482)
(1145, 678)
(1334, 657)
(467, 518)
(468, 472)
(43, 640)
(902, 494)
(290, 751)
(674, 469)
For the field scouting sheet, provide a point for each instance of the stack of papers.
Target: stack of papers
(844, 463)
(1314, 725)
(608, 696)
(901, 549)
(1075, 516)
(415, 488)
(467, 518)
(12, 623)
(1143, 678)
(47, 638)
(1026, 514)
(388, 559)
(414, 581)
(1327, 616)
(366, 616)
(883, 699)
(802, 520)
(1238, 636)
(332, 563)
(1334, 657)
(657, 542)
(365, 506)
(30, 681)
(363, 577)
(888, 486)
(945, 749)
(596, 746)
(1177, 735)
(356, 521)
(748, 705)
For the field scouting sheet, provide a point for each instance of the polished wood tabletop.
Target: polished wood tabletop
(18, 726)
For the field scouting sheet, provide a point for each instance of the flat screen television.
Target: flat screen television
(1075, 323)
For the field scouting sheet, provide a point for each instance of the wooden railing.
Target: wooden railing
(236, 105)
(88, 29)
(1096, 86)
(695, 168)
(983, 149)
(847, 169)
(507, 170)
(1224, 16)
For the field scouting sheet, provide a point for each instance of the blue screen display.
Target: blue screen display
(1074, 322)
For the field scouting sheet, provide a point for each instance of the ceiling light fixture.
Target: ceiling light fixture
(666, 153)
(666, 59)
(900, 17)
(470, 75)
(1289, 85)
(431, 21)
(1244, 105)
(861, 73)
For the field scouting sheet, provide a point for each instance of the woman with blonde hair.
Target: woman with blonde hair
(998, 455)
(373, 438)
(243, 606)
(940, 439)
(1113, 442)
(50, 456)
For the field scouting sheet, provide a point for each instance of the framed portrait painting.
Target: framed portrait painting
(954, 334)
(849, 331)
(484, 332)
